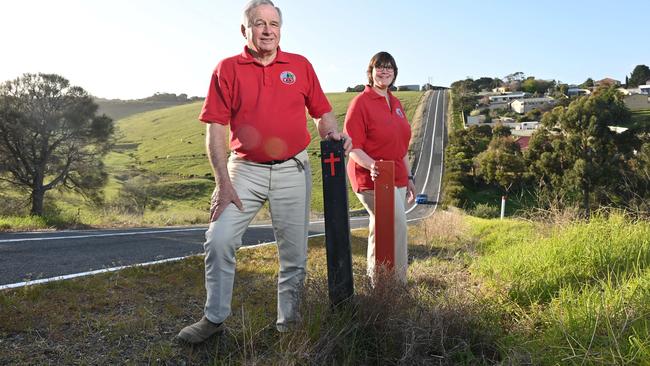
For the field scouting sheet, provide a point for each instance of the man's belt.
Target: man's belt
(299, 163)
(273, 162)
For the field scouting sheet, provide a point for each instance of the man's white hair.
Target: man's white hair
(246, 20)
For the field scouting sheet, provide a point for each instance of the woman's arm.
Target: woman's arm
(410, 186)
(360, 157)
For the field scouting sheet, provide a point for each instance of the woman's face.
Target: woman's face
(383, 76)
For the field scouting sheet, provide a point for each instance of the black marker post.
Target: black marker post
(337, 222)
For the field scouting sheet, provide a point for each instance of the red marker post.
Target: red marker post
(385, 215)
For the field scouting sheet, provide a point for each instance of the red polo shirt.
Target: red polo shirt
(265, 105)
(380, 131)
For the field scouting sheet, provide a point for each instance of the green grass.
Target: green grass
(581, 293)
(479, 292)
(23, 223)
(131, 316)
(169, 144)
(118, 109)
(641, 118)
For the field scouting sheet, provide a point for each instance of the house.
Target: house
(637, 102)
(628, 91)
(507, 97)
(523, 142)
(506, 121)
(577, 92)
(608, 82)
(408, 87)
(475, 120)
(531, 125)
(645, 89)
(500, 90)
(526, 105)
(500, 105)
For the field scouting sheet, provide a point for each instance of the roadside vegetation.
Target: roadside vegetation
(578, 157)
(479, 292)
(158, 174)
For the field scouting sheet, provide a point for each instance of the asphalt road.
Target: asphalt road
(27, 257)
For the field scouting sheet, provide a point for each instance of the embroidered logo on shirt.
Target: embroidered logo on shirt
(288, 77)
(399, 112)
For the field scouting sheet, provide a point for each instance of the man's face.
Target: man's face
(263, 34)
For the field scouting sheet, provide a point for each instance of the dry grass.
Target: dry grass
(131, 317)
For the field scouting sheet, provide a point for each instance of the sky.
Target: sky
(131, 49)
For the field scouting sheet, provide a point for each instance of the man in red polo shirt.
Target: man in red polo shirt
(261, 94)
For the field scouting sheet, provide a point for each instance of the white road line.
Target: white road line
(114, 269)
(90, 273)
(426, 128)
(442, 155)
(163, 231)
(442, 165)
(424, 138)
(433, 144)
(100, 235)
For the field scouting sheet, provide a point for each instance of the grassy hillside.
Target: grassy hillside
(118, 109)
(480, 292)
(159, 162)
(170, 142)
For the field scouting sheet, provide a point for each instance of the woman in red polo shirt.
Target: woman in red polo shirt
(377, 124)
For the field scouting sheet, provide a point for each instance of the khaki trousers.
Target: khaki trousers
(367, 198)
(287, 187)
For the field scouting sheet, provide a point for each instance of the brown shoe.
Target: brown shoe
(200, 331)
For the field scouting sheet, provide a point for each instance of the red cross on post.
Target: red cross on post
(331, 160)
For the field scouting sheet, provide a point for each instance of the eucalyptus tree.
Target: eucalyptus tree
(51, 136)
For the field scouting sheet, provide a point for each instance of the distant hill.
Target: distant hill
(118, 108)
(170, 142)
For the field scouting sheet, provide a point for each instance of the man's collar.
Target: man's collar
(247, 58)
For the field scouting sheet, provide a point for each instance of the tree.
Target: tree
(589, 83)
(583, 159)
(486, 83)
(50, 136)
(462, 87)
(536, 86)
(640, 75)
(501, 131)
(502, 163)
(357, 88)
(137, 194)
(515, 76)
(561, 90)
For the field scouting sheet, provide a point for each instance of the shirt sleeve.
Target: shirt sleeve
(217, 105)
(355, 124)
(316, 101)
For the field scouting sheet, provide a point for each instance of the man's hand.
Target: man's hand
(347, 140)
(374, 171)
(222, 196)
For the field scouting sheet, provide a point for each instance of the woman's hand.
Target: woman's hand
(410, 191)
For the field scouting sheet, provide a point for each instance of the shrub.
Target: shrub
(485, 211)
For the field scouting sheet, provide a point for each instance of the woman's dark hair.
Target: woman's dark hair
(382, 59)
